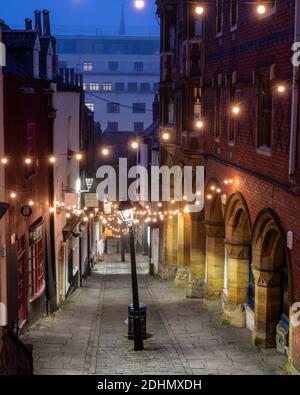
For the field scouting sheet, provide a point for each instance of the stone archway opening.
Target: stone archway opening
(237, 261)
(272, 283)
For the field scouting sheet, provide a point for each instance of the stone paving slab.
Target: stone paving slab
(88, 334)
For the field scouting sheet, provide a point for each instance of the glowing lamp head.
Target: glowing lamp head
(236, 110)
(31, 203)
(139, 4)
(199, 124)
(134, 145)
(13, 195)
(68, 215)
(4, 161)
(199, 10)
(105, 152)
(28, 161)
(52, 159)
(166, 136)
(280, 88)
(78, 156)
(261, 9)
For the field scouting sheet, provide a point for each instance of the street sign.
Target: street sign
(91, 200)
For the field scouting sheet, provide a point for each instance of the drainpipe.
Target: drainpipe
(295, 99)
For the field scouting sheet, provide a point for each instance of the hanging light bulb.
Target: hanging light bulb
(236, 110)
(199, 124)
(31, 203)
(52, 210)
(13, 195)
(199, 10)
(28, 161)
(280, 88)
(105, 152)
(166, 136)
(4, 161)
(52, 159)
(134, 145)
(68, 215)
(78, 156)
(139, 4)
(261, 9)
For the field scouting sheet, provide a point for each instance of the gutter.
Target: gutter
(295, 100)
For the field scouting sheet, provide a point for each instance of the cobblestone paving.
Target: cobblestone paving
(88, 334)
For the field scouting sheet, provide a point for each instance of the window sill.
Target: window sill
(266, 151)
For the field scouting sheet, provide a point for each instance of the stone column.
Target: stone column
(184, 250)
(238, 284)
(168, 270)
(215, 252)
(198, 255)
(267, 307)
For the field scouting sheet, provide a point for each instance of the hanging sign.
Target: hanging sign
(91, 200)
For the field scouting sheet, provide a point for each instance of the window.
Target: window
(36, 270)
(138, 67)
(113, 127)
(113, 108)
(107, 86)
(231, 118)
(217, 108)
(219, 16)
(139, 108)
(87, 66)
(138, 127)
(113, 66)
(120, 87)
(265, 109)
(90, 106)
(234, 13)
(84, 86)
(171, 112)
(145, 87)
(132, 87)
(94, 86)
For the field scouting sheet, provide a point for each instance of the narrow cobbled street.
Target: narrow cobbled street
(88, 335)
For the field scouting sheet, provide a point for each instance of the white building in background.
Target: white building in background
(122, 70)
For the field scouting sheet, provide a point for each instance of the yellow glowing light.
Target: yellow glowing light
(52, 210)
(209, 197)
(280, 88)
(134, 145)
(52, 159)
(13, 195)
(85, 219)
(159, 204)
(219, 190)
(28, 161)
(261, 9)
(199, 10)
(166, 136)
(105, 152)
(139, 4)
(68, 215)
(199, 124)
(236, 110)
(213, 188)
(31, 203)
(4, 161)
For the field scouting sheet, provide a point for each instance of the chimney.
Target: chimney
(28, 24)
(46, 20)
(155, 108)
(38, 21)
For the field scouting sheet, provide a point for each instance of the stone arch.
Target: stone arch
(237, 280)
(215, 235)
(272, 275)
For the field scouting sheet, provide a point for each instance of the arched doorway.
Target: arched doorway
(215, 234)
(237, 278)
(271, 262)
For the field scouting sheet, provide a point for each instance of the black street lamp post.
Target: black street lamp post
(126, 213)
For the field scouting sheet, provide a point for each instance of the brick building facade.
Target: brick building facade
(229, 102)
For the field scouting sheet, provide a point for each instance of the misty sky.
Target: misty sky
(79, 12)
